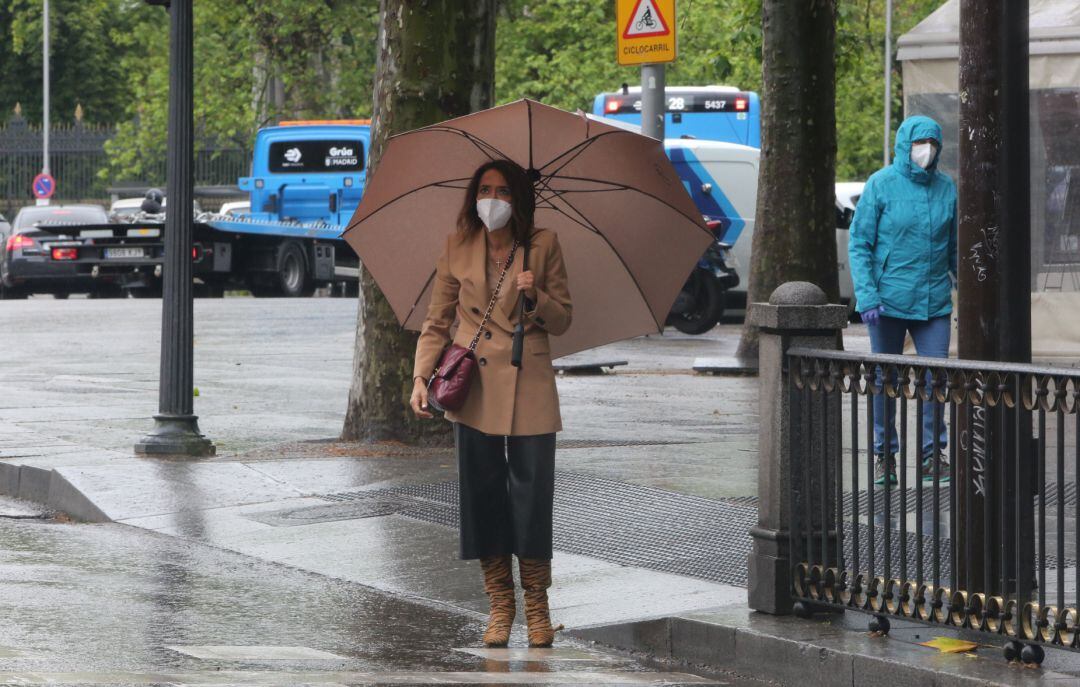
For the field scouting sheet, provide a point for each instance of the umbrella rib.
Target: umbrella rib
(574, 152)
(624, 187)
(528, 109)
(580, 147)
(417, 301)
(480, 143)
(435, 184)
(589, 225)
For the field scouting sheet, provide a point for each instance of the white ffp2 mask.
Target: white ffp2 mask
(494, 213)
(922, 154)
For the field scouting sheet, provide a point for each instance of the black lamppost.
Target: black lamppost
(176, 427)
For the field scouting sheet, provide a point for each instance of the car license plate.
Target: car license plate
(114, 253)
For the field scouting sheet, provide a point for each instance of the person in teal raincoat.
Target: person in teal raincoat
(902, 250)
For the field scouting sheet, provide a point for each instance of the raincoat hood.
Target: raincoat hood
(902, 240)
(916, 128)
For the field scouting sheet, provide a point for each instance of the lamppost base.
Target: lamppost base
(175, 435)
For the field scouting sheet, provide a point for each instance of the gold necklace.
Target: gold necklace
(498, 263)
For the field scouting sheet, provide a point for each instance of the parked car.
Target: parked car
(5, 230)
(237, 207)
(128, 209)
(722, 180)
(39, 258)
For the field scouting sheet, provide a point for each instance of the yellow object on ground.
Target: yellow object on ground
(949, 645)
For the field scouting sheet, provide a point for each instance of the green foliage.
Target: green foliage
(259, 61)
(563, 52)
(83, 65)
(256, 62)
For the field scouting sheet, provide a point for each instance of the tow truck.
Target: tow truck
(306, 181)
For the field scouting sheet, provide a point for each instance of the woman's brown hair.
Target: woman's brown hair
(522, 201)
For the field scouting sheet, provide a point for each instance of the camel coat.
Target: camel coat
(503, 400)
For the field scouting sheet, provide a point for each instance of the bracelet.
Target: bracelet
(421, 378)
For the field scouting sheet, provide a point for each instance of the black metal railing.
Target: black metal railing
(977, 526)
(79, 161)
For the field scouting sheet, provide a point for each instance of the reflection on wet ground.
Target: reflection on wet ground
(111, 604)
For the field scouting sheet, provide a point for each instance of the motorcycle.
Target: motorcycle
(700, 304)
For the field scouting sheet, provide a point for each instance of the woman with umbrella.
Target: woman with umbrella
(505, 431)
(616, 215)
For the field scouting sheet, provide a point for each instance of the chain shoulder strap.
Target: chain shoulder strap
(494, 298)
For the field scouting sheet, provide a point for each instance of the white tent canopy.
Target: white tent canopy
(930, 58)
(930, 52)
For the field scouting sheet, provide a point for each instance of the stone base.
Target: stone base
(175, 435)
(769, 589)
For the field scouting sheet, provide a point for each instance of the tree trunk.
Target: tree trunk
(795, 232)
(436, 61)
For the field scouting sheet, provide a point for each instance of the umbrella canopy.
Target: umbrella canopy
(629, 232)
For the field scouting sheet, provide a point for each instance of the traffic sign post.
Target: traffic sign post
(44, 186)
(645, 35)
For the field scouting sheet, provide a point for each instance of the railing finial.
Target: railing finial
(798, 293)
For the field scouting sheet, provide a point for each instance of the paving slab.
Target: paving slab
(273, 377)
(111, 604)
(826, 651)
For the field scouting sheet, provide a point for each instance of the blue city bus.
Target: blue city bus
(712, 113)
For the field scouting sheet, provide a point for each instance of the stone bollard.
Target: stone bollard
(797, 314)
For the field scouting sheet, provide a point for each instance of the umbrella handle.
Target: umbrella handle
(519, 345)
(519, 329)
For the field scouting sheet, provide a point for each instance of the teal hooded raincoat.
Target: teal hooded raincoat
(902, 245)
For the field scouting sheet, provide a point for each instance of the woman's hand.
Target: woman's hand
(527, 282)
(419, 399)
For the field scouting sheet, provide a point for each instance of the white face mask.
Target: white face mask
(494, 213)
(922, 154)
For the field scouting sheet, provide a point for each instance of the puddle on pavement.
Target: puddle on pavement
(553, 655)
(256, 653)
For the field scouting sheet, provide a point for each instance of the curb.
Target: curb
(792, 651)
(50, 489)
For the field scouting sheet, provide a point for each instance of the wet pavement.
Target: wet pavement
(111, 604)
(272, 377)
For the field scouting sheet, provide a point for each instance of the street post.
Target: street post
(994, 272)
(646, 36)
(797, 314)
(176, 427)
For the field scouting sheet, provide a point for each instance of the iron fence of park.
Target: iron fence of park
(77, 159)
(991, 550)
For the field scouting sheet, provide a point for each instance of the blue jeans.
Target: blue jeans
(931, 339)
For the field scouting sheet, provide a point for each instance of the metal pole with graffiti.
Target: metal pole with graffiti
(994, 244)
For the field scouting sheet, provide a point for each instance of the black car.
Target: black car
(39, 258)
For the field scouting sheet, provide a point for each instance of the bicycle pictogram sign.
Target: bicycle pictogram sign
(646, 31)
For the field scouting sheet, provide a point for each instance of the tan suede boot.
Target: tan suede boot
(535, 580)
(499, 585)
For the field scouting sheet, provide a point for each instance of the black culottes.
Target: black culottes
(507, 491)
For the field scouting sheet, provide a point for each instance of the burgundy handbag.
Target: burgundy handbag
(453, 375)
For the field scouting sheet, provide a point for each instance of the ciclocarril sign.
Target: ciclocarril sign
(645, 31)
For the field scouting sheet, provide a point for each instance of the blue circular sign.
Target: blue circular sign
(44, 186)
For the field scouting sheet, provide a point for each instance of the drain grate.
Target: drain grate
(616, 443)
(649, 528)
(619, 522)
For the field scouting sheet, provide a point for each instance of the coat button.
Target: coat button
(482, 361)
(476, 311)
(487, 335)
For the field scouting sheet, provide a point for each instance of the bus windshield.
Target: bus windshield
(714, 113)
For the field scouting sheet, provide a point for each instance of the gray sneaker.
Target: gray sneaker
(880, 469)
(927, 468)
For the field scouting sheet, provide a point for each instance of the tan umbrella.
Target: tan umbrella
(629, 231)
